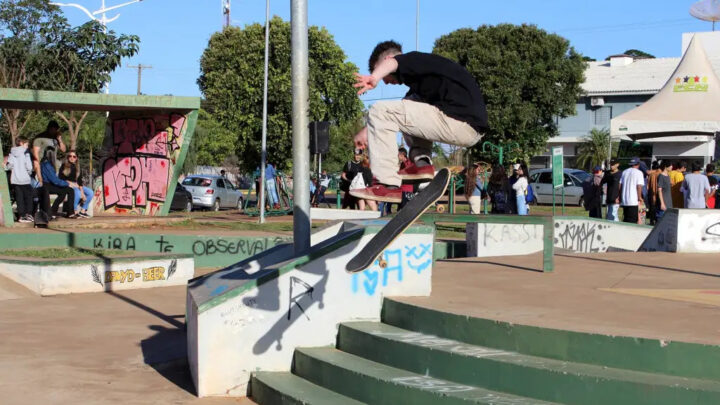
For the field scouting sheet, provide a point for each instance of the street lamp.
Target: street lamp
(103, 18)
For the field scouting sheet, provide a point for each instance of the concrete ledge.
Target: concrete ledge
(335, 214)
(251, 316)
(98, 274)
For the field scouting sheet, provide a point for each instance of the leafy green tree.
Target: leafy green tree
(595, 147)
(40, 50)
(214, 141)
(636, 53)
(23, 25)
(528, 76)
(232, 82)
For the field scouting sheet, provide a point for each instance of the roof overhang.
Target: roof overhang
(65, 101)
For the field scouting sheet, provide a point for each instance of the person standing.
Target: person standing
(520, 187)
(664, 191)
(474, 189)
(611, 180)
(677, 176)
(350, 170)
(594, 197)
(712, 201)
(272, 194)
(631, 185)
(499, 191)
(652, 189)
(710, 171)
(20, 163)
(696, 188)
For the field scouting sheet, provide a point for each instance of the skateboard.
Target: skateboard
(401, 221)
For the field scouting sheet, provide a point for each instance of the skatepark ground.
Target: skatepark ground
(129, 347)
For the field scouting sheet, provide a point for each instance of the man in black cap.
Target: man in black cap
(631, 185)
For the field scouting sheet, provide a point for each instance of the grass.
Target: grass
(198, 224)
(60, 253)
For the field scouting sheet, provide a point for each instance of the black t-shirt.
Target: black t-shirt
(613, 186)
(351, 169)
(445, 84)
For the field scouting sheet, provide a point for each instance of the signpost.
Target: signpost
(558, 179)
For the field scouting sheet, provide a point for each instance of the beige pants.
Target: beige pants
(421, 124)
(475, 203)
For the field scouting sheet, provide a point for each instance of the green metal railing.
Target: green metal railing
(546, 222)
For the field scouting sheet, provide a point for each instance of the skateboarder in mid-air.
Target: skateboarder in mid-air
(444, 104)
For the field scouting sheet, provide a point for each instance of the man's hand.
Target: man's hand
(364, 83)
(361, 139)
(663, 207)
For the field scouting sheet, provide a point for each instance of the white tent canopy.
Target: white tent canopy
(688, 104)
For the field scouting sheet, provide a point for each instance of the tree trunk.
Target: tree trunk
(15, 122)
(74, 124)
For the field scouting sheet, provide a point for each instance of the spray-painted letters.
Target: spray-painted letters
(139, 167)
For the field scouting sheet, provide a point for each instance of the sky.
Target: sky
(174, 33)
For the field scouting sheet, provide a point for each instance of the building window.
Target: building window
(602, 116)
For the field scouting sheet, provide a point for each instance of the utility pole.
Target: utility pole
(140, 67)
(225, 4)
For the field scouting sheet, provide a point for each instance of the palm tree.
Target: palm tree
(593, 151)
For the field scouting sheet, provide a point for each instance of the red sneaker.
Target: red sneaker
(378, 192)
(412, 172)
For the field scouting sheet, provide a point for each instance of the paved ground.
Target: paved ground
(129, 347)
(659, 304)
(104, 348)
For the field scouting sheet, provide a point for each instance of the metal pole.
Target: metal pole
(301, 131)
(417, 25)
(263, 152)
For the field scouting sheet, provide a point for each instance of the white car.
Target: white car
(541, 181)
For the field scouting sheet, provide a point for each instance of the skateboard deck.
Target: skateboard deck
(397, 225)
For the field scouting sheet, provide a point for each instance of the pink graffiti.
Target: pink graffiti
(135, 180)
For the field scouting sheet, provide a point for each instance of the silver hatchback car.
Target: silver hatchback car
(541, 181)
(213, 192)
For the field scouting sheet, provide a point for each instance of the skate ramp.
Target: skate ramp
(685, 231)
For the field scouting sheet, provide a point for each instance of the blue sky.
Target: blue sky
(174, 33)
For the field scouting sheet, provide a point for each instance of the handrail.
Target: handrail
(546, 222)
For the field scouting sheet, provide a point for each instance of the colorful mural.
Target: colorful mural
(142, 153)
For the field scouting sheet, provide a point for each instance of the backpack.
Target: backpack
(500, 201)
(41, 219)
(530, 196)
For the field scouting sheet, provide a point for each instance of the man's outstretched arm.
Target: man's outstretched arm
(368, 82)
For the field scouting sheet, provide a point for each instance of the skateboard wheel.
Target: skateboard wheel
(383, 264)
(440, 208)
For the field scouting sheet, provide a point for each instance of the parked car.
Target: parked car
(213, 192)
(182, 200)
(541, 181)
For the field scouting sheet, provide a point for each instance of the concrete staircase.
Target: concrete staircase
(423, 356)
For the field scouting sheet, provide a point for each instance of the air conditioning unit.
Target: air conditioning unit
(597, 101)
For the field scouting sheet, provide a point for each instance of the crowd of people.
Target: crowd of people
(506, 194)
(645, 194)
(35, 174)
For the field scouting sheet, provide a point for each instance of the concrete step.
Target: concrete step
(380, 384)
(519, 374)
(625, 352)
(277, 388)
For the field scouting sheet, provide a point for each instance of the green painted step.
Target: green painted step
(650, 355)
(276, 388)
(380, 384)
(519, 374)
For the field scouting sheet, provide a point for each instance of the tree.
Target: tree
(214, 142)
(636, 53)
(80, 60)
(593, 151)
(23, 24)
(529, 77)
(39, 50)
(232, 82)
